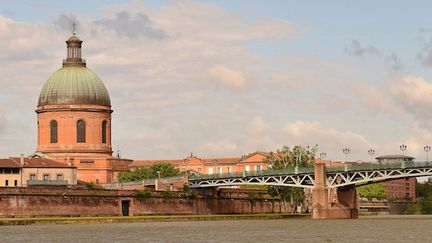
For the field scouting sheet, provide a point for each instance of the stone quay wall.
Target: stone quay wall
(67, 202)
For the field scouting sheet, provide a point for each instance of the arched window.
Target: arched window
(81, 131)
(104, 132)
(53, 131)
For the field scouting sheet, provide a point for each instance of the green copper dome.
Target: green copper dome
(74, 85)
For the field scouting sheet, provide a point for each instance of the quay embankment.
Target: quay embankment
(148, 218)
(46, 202)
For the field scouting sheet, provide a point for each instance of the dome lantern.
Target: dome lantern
(74, 58)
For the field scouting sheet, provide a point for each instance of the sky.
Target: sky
(227, 78)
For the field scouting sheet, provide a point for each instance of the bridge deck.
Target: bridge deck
(304, 177)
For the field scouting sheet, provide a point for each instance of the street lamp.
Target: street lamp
(299, 157)
(427, 149)
(346, 152)
(403, 147)
(371, 153)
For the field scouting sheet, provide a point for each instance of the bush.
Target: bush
(90, 185)
(143, 193)
(167, 194)
(414, 209)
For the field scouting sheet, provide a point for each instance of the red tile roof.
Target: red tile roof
(8, 163)
(14, 162)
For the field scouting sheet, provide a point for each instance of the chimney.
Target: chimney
(22, 159)
(68, 160)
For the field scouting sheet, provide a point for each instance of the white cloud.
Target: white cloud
(228, 77)
(414, 95)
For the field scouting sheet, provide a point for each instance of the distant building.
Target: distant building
(250, 163)
(25, 171)
(399, 189)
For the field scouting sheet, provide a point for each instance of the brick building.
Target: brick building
(74, 120)
(251, 162)
(399, 189)
(26, 171)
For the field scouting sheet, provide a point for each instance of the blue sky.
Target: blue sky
(336, 73)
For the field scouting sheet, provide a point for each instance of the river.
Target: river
(367, 229)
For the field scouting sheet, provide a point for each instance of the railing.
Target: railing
(145, 182)
(47, 183)
(303, 170)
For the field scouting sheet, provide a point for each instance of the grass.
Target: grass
(144, 218)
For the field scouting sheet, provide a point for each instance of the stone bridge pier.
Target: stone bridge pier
(333, 203)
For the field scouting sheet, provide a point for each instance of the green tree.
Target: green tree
(371, 191)
(289, 158)
(165, 170)
(414, 209)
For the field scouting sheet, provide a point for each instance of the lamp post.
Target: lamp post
(346, 151)
(403, 147)
(299, 157)
(371, 152)
(427, 149)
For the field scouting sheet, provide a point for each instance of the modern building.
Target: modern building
(22, 172)
(250, 163)
(74, 120)
(399, 189)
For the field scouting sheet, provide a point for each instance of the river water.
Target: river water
(368, 229)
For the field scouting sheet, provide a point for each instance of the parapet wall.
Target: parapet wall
(42, 202)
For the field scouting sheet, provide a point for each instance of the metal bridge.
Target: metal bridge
(337, 177)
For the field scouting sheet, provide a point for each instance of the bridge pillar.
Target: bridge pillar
(332, 203)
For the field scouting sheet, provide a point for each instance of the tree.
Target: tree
(371, 191)
(165, 169)
(289, 158)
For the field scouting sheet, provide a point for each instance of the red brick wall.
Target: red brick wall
(21, 202)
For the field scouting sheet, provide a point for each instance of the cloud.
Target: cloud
(334, 103)
(355, 49)
(132, 26)
(228, 77)
(329, 140)
(393, 62)
(375, 101)
(425, 54)
(414, 95)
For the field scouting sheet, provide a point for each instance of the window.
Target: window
(54, 131)
(229, 170)
(210, 171)
(32, 177)
(258, 168)
(6, 182)
(104, 132)
(219, 170)
(81, 131)
(15, 183)
(247, 168)
(46, 177)
(59, 177)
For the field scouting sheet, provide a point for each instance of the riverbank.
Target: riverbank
(147, 218)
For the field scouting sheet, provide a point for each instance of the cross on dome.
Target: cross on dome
(74, 28)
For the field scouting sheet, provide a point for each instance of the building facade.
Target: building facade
(74, 120)
(399, 189)
(22, 172)
(249, 163)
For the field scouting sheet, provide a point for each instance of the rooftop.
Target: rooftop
(15, 162)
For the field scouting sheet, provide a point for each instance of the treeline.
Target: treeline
(424, 199)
